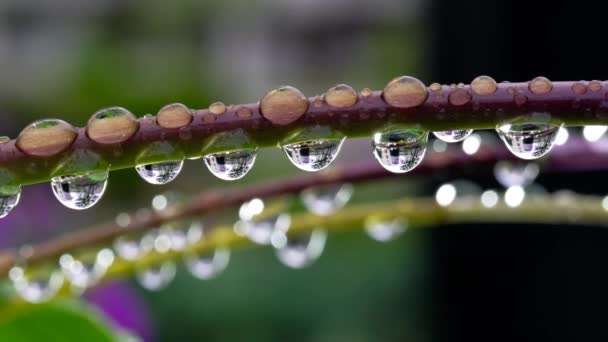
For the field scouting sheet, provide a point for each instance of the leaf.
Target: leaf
(56, 321)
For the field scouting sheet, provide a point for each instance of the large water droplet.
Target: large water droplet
(85, 272)
(301, 250)
(510, 173)
(259, 226)
(529, 139)
(453, 136)
(385, 230)
(80, 192)
(400, 151)
(313, 155)
(231, 165)
(160, 173)
(9, 198)
(208, 265)
(38, 287)
(157, 277)
(325, 200)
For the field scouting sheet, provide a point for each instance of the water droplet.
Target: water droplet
(459, 97)
(484, 85)
(83, 273)
(217, 108)
(341, 96)
(112, 125)
(208, 265)
(400, 151)
(46, 137)
(313, 155)
(284, 105)
(435, 87)
(80, 192)
(301, 250)
(157, 277)
(9, 198)
(405, 92)
(579, 88)
(510, 173)
(366, 92)
(594, 133)
(595, 86)
(259, 225)
(489, 198)
(453, 136)
(4, 139)
(326, 200)
(529, 138)
(520, 99)
(514, 196)
(39, 287)
(175, 115)
(244, 113)
(540, 86)
(160, 173)
(231, 165)
(385, 230)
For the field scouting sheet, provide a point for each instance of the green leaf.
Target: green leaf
(57, 321)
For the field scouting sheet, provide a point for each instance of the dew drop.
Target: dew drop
(528, 138)
(80, 192)
(540, 86)
(341, 96)
(384, 230)
(510, 173)
(400, 151)
(4, 139)
(217, 108)
(484, 85)
(160, 173)
(405, 92)
(313, 155)
(284, 105)
(244, 113)
(175, 115)
(453, 136)
(366, 92)
(231, 165)
(326, 200)
(595, 86)
(258, 225)
(83, 273)
(39, 287)
(112, 125)
(459, 97)
(9, 198)
(301, 250)
(208, 265)
(157, 277)
(435, 87)
(579, 88)
(47, 137)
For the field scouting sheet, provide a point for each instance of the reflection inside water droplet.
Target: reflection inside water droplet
(39, 287)
(301, 250)
(9, 198)
(157, 277)
(400, 151)
(528, 139)
(160, 173)
(231, 165)
(325, 200)
(80, 192)
(453, 136)
(313, 155)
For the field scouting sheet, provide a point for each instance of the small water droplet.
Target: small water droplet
(509, 173)
(46, 137)
(80, 192)
(9, 198)
(484, 85)
(231, 165)
(85, 272)
(366, 92)
(540, 86)
(459, 97)
(39, 287)
(579, 88)
(435, 86)
(385, 230)
(175, 115)
(453, 136)
(209, 118)
(520, 99)
(284, 105)
(112, 125)
(595, 86)
(301, 250)
(529, 138)
(208, 265)
(341, 96)
(405, 92)
(160, 173)
(4, 139)
(326, 200)
(401, 150)
(313, 155)
(244, 113)
(217, 108)
(157, 277)
(260, 225)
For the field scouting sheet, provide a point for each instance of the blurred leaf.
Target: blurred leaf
(57, 321)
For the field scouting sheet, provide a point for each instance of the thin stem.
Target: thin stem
(457, 107)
